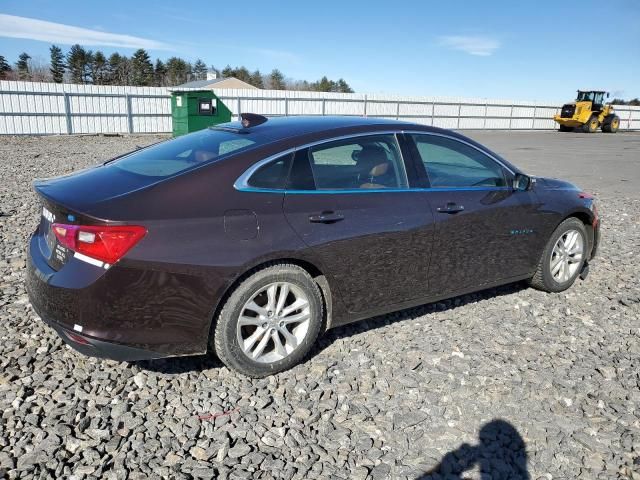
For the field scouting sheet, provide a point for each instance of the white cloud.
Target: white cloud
(33, 29)
(473, 45)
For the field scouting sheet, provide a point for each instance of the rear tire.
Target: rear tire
(551, 278)
(564, 128)
(267, 340)
(592, 125)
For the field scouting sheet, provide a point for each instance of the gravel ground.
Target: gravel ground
(504, 384)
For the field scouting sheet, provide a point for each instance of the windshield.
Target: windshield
(585, 96)
(174, 156)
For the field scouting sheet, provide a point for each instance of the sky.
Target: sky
(542, 50)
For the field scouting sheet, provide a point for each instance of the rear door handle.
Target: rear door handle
(326, 217)
(451, 208)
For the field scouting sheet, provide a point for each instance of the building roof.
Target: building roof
(216, 83)
(200, 83)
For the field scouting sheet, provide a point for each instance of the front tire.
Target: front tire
(563, 257)
(564, 128)
(270, 321)
(592, 125)
(611, 125)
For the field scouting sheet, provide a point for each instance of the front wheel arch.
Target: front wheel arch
(544, 277)
(587, 220)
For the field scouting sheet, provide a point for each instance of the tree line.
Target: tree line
(619, 101)
(83, 66)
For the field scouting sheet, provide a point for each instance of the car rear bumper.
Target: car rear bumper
(37, 277)
(124, 314)
(92, 347)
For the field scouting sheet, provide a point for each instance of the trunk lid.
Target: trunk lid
(85, 190)
(75, 199)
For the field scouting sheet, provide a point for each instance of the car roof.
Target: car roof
(278, 128)
(291, 130)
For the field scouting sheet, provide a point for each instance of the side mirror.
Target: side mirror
(607, 94)
(522, 182)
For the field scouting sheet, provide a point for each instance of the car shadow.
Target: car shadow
(179, 365)
(374, 323)
(500, 454)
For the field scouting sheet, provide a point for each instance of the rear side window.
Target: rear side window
(450, 163)
(273, 175)
(372, 162)
(169, 158)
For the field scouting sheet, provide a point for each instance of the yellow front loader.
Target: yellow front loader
(588, 113)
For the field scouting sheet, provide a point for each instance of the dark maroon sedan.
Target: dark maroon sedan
(253, 238)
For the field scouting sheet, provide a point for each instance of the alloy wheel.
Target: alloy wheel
(566, 256)
(273, 322)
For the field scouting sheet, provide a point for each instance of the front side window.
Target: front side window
(367, 162)
(450, 163)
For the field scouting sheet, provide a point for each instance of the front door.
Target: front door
(372, 235)
(485, 230)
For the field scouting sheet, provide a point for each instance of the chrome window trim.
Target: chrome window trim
(241, 184)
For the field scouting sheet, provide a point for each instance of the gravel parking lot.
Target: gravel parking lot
(508, 383)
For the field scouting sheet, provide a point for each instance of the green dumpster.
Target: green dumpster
(194, 110)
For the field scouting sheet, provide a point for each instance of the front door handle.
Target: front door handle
(451, 208)
(326, 217)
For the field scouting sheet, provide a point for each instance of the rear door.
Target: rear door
(349, 200)
(485, 230)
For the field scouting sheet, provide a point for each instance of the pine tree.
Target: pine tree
(276, 80)
(141, 68)
(243, 74)
(115, 69)
(200, 70)
(88, 68)
(99, 70)
(5, 68)
(343, 86)
(22, 65)
(256, 79)
(57, 64)
(159, 74)
(227, 71)
(324, 85)
(77, 64)
(178, 71)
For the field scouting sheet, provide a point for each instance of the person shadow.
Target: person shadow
(500, 455)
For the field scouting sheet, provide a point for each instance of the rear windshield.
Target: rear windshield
(174, 156)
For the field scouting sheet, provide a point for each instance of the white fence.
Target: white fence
(48, 108)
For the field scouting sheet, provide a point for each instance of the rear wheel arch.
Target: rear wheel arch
(315, 273)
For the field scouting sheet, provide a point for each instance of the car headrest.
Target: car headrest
(372, 160)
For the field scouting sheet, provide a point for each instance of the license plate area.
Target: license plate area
(55, 253)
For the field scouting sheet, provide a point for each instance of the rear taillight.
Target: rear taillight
(107, 243)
